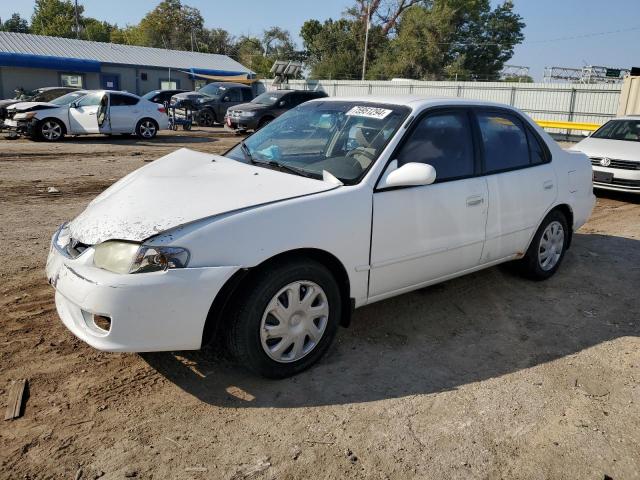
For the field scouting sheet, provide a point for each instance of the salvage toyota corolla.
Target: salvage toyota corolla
(334, 205)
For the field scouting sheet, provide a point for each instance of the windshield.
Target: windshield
(628, 130)
(68, 98)
(344, 138)
(213, 90)
(266, 98)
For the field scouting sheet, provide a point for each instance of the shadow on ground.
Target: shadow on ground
(466, 330)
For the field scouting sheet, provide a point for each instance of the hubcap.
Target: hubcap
(294, 321)
(51, 130)
(147, 129)
(551, 245)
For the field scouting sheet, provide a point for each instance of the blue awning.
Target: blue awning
(44, 61)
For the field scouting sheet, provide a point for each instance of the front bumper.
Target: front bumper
(24, 127)
(623, 180)
(241, 123)
(149, 312)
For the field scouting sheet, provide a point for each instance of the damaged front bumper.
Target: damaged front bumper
(143, 312)
(21, 127)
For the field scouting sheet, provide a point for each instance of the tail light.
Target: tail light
(161, 109)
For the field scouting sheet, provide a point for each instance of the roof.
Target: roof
(68, 48)
(413, 101)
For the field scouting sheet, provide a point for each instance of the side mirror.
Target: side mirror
(73, 105)
(408, 175)
(226, 99)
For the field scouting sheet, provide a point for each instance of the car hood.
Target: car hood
(600, 147)
(180, 188)
(250, 107)
(188, 95)
(31, 106)
(8, 101)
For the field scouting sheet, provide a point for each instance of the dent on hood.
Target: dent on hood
(181, 188)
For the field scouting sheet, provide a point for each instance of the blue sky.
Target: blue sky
(546, 20)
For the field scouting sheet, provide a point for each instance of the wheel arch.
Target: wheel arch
(567, 211)
(230, 289)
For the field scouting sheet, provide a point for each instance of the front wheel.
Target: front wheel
(146, 128)
(547, 249)
(286, 319)
(50, 130)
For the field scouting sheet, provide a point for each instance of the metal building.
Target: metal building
(31, 61)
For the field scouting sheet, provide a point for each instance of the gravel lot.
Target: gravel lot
(487, 376)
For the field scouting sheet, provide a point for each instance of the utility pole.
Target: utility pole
(366, 41)
(77, 22)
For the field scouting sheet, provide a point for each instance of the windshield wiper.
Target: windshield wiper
(246, 152)
(288, 168)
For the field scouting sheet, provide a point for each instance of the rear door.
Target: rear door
(83, 115)
(521, 180)
(124, 112)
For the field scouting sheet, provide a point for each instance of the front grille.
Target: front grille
(75, 249)
(234, 113)
(621, 164)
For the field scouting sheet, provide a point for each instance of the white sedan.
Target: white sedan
(614, 150)
(101, 111)
(334, 205)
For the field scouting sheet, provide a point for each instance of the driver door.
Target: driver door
(84, 114)
(422, 234)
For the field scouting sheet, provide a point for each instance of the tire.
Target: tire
(551, 239)
(147, 129)
(264, 122)
(265, 296)
(50, 130)
(206, 118)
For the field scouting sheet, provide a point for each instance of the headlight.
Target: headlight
(201, 100)
(24, 116)
(128, 257)
(247, 114)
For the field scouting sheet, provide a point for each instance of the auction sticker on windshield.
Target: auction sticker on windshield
(369, 112)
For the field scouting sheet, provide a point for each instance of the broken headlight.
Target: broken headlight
(128, 257)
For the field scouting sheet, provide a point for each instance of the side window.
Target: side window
(247, 95)
(118, 100)
(443, 140)
(538, 154)
(504, 140)
(234, 95)
(51, 94)
(90, 100)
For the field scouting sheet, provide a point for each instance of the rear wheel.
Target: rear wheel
(286, 319)
(547, 249)
(146, 128)
(206, 118)
(50, 130)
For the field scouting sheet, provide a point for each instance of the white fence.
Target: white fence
(542, 101)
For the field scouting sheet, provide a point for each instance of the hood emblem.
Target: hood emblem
(605, 162)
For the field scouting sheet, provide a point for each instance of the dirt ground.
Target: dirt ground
(485, 377)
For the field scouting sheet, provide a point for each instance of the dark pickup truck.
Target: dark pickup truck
(265, 107)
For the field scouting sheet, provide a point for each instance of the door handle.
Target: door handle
(92, 113)
(548, 185)
(474, 200)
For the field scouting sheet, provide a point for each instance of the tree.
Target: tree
(15, 24)
(335, 48)
(171, 25)
(55, 18)
(95, 30)
(217, 40)
(384, 13)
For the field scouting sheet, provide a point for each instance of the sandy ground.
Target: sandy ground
(484, 377)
